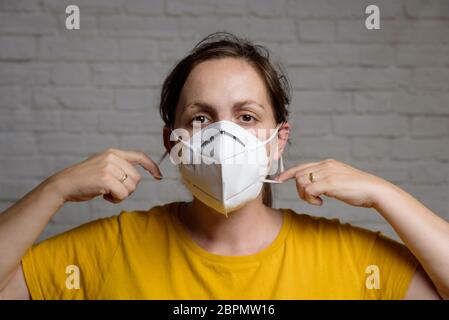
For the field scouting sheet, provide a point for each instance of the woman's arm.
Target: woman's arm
(22, 223)
(424, 233)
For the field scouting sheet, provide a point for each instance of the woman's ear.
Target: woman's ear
(166, 136)
(283, 135)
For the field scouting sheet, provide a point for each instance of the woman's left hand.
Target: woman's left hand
(337, 180)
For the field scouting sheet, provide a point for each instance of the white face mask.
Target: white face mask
(224, 165)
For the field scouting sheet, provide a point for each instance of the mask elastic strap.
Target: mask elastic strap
(271, 180)
(261, 143)
(165, 177)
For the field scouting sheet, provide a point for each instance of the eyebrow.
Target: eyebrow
(238, 104)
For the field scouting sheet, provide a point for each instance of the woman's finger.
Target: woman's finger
(138, 157)
(117, 190)
(301, 184)
(322, 187)
(119, 173)
(127, 168)
(291, 173)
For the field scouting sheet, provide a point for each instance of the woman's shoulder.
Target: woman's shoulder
(156, 213)
(329, 228)
(116, 224)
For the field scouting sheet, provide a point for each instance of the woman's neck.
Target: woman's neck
(245, 231)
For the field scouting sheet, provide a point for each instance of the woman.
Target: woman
(190, 250)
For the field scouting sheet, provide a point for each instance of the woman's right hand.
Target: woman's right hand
(102, 174)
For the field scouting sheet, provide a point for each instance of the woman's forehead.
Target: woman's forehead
(225, 78)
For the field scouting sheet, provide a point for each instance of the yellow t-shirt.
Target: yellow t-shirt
(149, 255)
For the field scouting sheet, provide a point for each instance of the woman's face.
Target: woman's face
(225, 89)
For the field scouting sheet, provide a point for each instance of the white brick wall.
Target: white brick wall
(378, 100)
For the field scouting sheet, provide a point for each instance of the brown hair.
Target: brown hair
(221, 45)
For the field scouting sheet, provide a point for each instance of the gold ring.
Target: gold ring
(125, 176)
(311, 177)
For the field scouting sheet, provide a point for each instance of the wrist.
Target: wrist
(51, 189)
(384, 194)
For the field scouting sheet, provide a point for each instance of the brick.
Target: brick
(321, 101)
(431, 78)
(198, 27)
(136, 99)
(429, 172)
(25, 167)
(28, 24)
(422, 55)
(370, 148)
(320, 148)
(317, 30)
(267, 8)
(190, 7)
(169, 189)
(19, 6)
(430, 31)
(372, 102)
(273, 29)
(370, 78)
(17, 48)
(340, 9)
(70, 74)
(430, 126)
(286, 191)
(144, 7)
(78, 48)
(427, 9)
(370, 125)
(72, 213)
(88, 26)
(91, 98)
(395, 172)
(17, 143)
(172, 51)
(63, 161)
(126, 75)
(409, 149)
(24, 73)
(364, 55)
(136, 26)
(152, 144)
(436, 103)
(310, 78)
(313, 125)
(14, 190)
(80, 121)
(231, 7)
(15, 97)
(137, 50)
(354, 31)
(77, 144)
(86, 6)
(130, 122)
(21, 120)
(308, 55)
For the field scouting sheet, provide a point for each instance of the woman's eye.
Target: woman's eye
(201, 119)
(247, 118)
